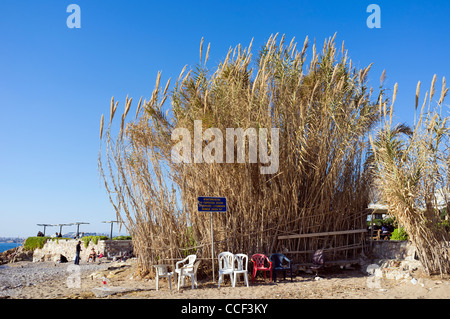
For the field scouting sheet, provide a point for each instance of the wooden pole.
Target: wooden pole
(212, 248)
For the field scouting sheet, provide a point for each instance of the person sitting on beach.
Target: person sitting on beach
(92, 255)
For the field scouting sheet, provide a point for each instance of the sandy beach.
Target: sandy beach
(50, 280)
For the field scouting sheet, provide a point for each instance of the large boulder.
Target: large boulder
(14, 255)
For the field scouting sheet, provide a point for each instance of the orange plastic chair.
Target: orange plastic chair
(262, 263)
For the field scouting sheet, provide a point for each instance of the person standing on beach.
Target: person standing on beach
(77, 253)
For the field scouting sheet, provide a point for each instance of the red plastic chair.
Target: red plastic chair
(262, 263)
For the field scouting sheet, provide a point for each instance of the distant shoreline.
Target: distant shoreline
(11, 241)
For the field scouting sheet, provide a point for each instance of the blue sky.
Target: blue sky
(55, 82)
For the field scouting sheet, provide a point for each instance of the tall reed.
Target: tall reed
(324, 112)
(411, 169)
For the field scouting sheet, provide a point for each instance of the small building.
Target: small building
(377, 211)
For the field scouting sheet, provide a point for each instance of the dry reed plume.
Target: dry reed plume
(324, 112)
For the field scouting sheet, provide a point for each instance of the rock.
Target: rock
(392, 269)
(395, 274)
(370, 269)
(102, 293)
(411, 265)
(96, 275)
(15, 254)
(318, 278)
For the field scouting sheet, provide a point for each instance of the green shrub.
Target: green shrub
(94, 239)
(35, 242)
(59, 238)
(121, 238)
(399, 234)
(390, 221)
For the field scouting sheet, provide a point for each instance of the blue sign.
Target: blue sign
(212, 204)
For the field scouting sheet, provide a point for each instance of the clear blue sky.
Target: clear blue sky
(55, 82)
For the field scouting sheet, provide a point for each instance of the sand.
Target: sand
(49, 280)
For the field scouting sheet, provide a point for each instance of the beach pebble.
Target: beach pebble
(30, 274)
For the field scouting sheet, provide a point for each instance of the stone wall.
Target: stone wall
(52, 249)
(392, 259)
(117, 247)
(393, 249)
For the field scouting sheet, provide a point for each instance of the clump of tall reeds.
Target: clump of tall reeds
(323, 110)
(411, 167)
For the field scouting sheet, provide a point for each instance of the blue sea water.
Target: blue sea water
(6, 246)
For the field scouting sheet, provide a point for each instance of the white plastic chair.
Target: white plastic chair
(184, 268)
(190, 272)
(161, 272)
(226, 266)
(240, 267)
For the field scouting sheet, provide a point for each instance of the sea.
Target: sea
(6, 246)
